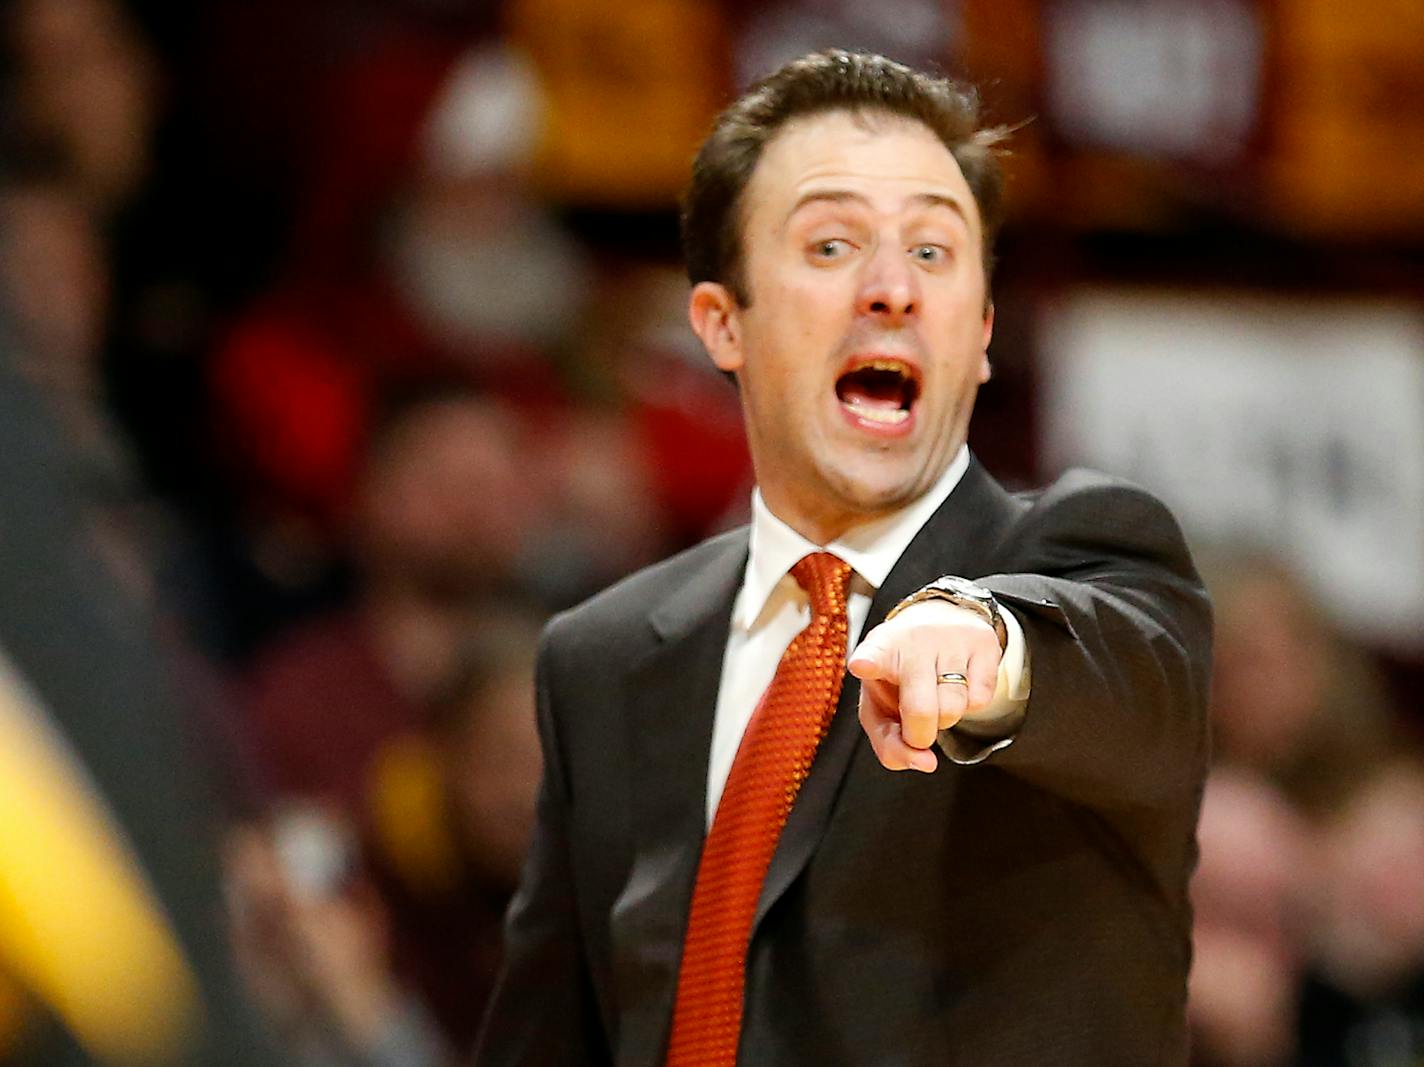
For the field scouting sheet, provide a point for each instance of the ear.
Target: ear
(985, 370)
(713, 312)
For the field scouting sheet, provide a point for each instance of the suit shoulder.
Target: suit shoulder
(1086, 508)
(623, 608)
(1090, 490)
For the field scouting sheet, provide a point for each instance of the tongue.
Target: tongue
(858, 391)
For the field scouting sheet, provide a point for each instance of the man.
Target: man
(991, 868)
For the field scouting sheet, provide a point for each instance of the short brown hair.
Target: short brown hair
(833, 80)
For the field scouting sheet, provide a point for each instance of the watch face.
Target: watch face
(964, 587)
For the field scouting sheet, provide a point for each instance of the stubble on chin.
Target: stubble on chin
(861, 498)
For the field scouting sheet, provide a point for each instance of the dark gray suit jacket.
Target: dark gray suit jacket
(1026, 911)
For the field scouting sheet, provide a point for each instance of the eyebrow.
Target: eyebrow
(836, 196)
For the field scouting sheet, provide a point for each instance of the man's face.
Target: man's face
(864, 343)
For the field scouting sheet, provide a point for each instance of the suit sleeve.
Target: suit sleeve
(1119, 636)
(543, 1008)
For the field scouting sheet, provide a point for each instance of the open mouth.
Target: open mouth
(879, 390)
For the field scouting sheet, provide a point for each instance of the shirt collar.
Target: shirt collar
(871, 549)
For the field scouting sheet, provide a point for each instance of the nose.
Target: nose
(889, 289)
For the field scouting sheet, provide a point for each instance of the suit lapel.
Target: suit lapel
(671, 699)
(958, 539)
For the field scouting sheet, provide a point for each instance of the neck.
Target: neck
(821, 523)
(820, 526)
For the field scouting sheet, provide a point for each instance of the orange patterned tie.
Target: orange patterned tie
(771, 763)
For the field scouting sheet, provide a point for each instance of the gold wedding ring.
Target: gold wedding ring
(953, 678)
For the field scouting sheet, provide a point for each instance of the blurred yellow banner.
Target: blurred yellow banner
(79, 926)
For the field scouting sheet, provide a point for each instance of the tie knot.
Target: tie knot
(826, 579)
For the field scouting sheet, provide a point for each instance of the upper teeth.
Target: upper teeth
(892, 365)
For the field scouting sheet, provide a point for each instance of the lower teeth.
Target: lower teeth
(884, 415)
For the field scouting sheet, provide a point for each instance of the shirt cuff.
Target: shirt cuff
(974, 740)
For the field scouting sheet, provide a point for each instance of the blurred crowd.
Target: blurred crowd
(326, 376)
(1309, 939)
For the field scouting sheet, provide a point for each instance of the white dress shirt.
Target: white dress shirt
(771, 609)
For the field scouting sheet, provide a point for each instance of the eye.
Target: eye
(929, 253)
(830, 248)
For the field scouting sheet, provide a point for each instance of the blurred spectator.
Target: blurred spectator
(420, 253)
(1363, 1003)
(1291, 699)
(314, 946)
(373, 936)
(441, 516)
(450, 817)
(605, 516)
(83, 93)
(458, 504)
(478, 260)
(1248, 926)
(1309, 941)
